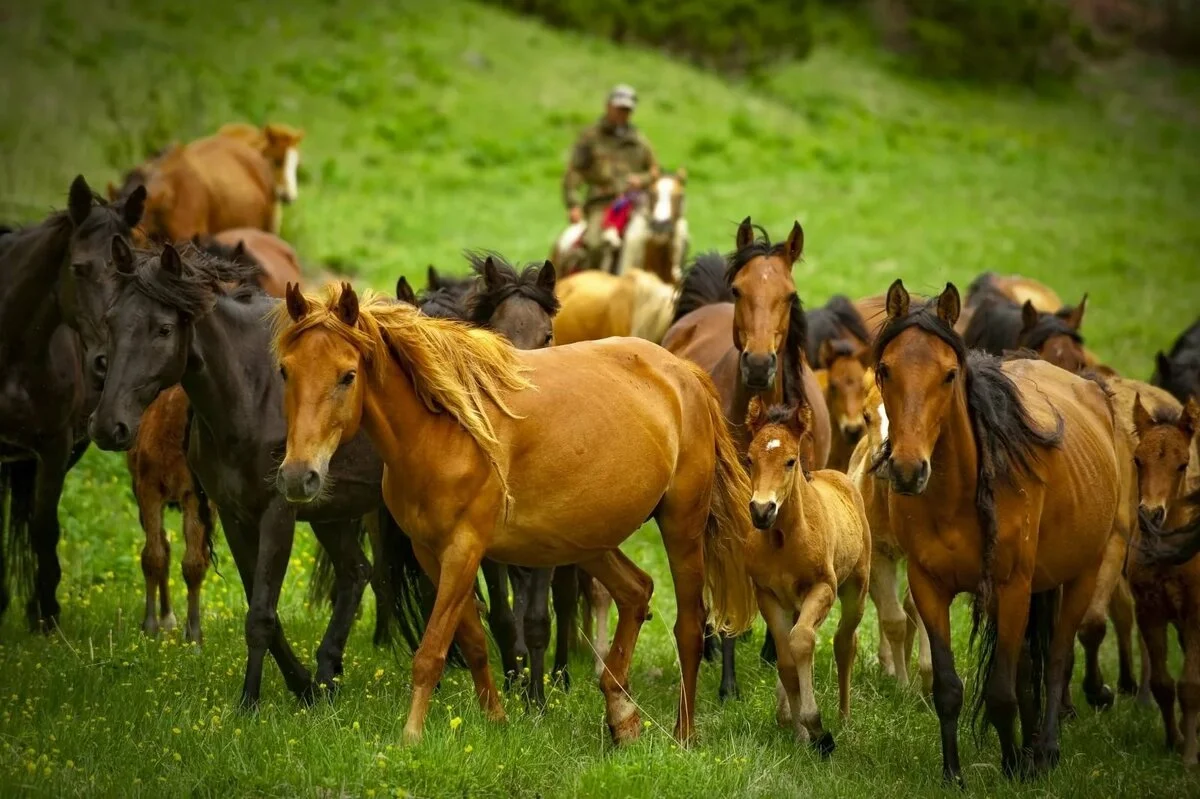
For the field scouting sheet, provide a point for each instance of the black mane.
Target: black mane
(226, 252)
(703, 284)
(194, 291)
(442, 303)
(483, 302)
(1048, 325)
(834, 320)
(998, 325)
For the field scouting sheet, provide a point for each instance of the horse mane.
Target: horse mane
(481, 305)
(984, 288)
(834, 320)
(228, 252)
(201, 280)
(452, 366)
(1188, 340)
(796, 343)
(1048, 325)
(703, 284)
(442, 303)
(842, 348)
(995, 326)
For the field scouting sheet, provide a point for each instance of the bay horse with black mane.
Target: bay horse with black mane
(175, 320)
(47, 385)
(1178, 371)
(1000, 325)
(741, 320)
(1005, 483)
(483, 454)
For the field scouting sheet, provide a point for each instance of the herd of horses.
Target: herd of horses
(522, 424)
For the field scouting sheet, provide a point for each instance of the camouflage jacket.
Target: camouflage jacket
(604, 158)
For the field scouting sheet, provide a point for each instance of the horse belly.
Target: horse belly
(1078, 516)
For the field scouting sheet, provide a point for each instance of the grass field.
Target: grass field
(434, 128)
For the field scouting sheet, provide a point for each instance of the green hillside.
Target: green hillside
(435, 127)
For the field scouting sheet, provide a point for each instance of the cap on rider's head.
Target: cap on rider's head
(623, 96)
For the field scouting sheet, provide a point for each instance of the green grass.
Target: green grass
(434, 128)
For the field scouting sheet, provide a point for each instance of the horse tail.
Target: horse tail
(18, 480)
(729, 591)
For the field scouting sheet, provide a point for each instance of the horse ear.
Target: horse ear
(754, 412)
(1163, 364)
(1142, 422)
(491, 275)
(897, 300)
(122, 256)
(802, 418)
(825, 354)
(1189, 421)
(134, 207)
(239, 252)
(949, 305)
(745, 234)
(297, 304)
(170, 262)
(79, 200)
(1075, 320)
(1029, 316)
(681, 176)
(347, 306)
(404, 292)
(433, 280)
(111, 191)
(795, 243)
(547, 277)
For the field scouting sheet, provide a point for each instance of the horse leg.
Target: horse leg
(1144, 695)
(631, 588)
(893, 623)
(1000, 691)
(682, 527)
(1120, 610)
(44, 531)
(521, 579)
(1189, 686)
(454, 615)
(241, 538)
(155, 553)
(1154, 636)
(933, 603)
(565, 587)
(537, 633)
(633, 248)
(852, 596)
(729, 686)
(803, 643)
(768, 653)
(601, 602)
(1094, 625)
(276, 529)
(500, 618)
(1076, 598)
(351, 572)
(380, 581)
(197, 537)
(916, 629)
(787, 688)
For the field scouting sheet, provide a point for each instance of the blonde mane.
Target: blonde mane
(453, 367)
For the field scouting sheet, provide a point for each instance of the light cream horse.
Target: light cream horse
(596, 305)
(657, 236)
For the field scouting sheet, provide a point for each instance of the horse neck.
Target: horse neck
(395, 418)
(236, 387)
(29, 307)
(793, 514)
(657, 257)
(954, 463)
(741, 405)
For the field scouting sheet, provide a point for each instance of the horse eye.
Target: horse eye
(548, 340)
(1182, 468)
(283, 373)
(347, 378)
(737, 295)
(882, 372)
(951, 376)
(1137, 463)
(165, 330)
(791, 463)
(866, 417)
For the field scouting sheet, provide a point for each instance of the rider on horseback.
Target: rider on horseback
(612, 158)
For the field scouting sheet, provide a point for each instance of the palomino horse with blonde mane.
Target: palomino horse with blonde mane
(1005, 483)
(486, 455)
(597, 305)
(751, 295)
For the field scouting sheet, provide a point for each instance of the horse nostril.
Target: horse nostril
(772, 361)
(120, 434)
(312, 482)
(100, 365)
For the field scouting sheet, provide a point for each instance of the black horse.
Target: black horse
(46, 387)
(172, 321)
(1178, 371)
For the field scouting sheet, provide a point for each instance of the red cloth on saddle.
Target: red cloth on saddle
(618, 214)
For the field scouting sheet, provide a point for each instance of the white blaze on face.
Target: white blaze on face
(665, 190)
(883, 422)
(774, 443)
(291, 160)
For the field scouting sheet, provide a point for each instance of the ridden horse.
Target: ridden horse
(1179, 370)
(752, 295)
(1005, 483)
(47, 387)
(899, 623)
(815, 545)
(836, 320)
(597, 305)
(843, 377)
(174, 321)
(207, 186)
(1169, 594)
(488, 440)
(278, 261)
(999, 325)
(657, 236)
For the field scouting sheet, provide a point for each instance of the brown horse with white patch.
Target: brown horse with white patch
(485, 455)
(1005, 483)
(843, 375)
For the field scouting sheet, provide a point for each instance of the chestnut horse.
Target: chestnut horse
(753, 296)
(843, 377)
(1005, 483)
(278, 261)
(478, 464)
(657, 237)
(1170, 594)
(815, 546)
(280, 145)
(597, 305)
(207, 186)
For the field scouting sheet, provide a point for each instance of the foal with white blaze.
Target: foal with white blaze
(815, 545)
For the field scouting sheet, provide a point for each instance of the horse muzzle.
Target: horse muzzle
(299, 482)
(852, 431)
(111, 436)
(909, 479)
(758, 371)
(763, 514)
(1152, 518)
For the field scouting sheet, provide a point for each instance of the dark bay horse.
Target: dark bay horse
(1178, 371)
(835, 321)
(1005, 483)
(47, 388)
(175, 321)
(741, 320)
(999, 325)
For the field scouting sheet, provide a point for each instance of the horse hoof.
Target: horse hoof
(1101, 699)
(150, 627)
(1068, 713)
(248, 704)
(1126, 687)
(168, 622)
(194, 636)
(1045, 759)
(824, 744)
(562, 678)
(412, 737)
(308, 694)
(728, 692)
(627, 730)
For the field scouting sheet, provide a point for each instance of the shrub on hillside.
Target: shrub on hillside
(1022, 41)
(727, 35)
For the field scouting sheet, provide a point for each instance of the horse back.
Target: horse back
(279, 261)
(594, 305)
(211, 185)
